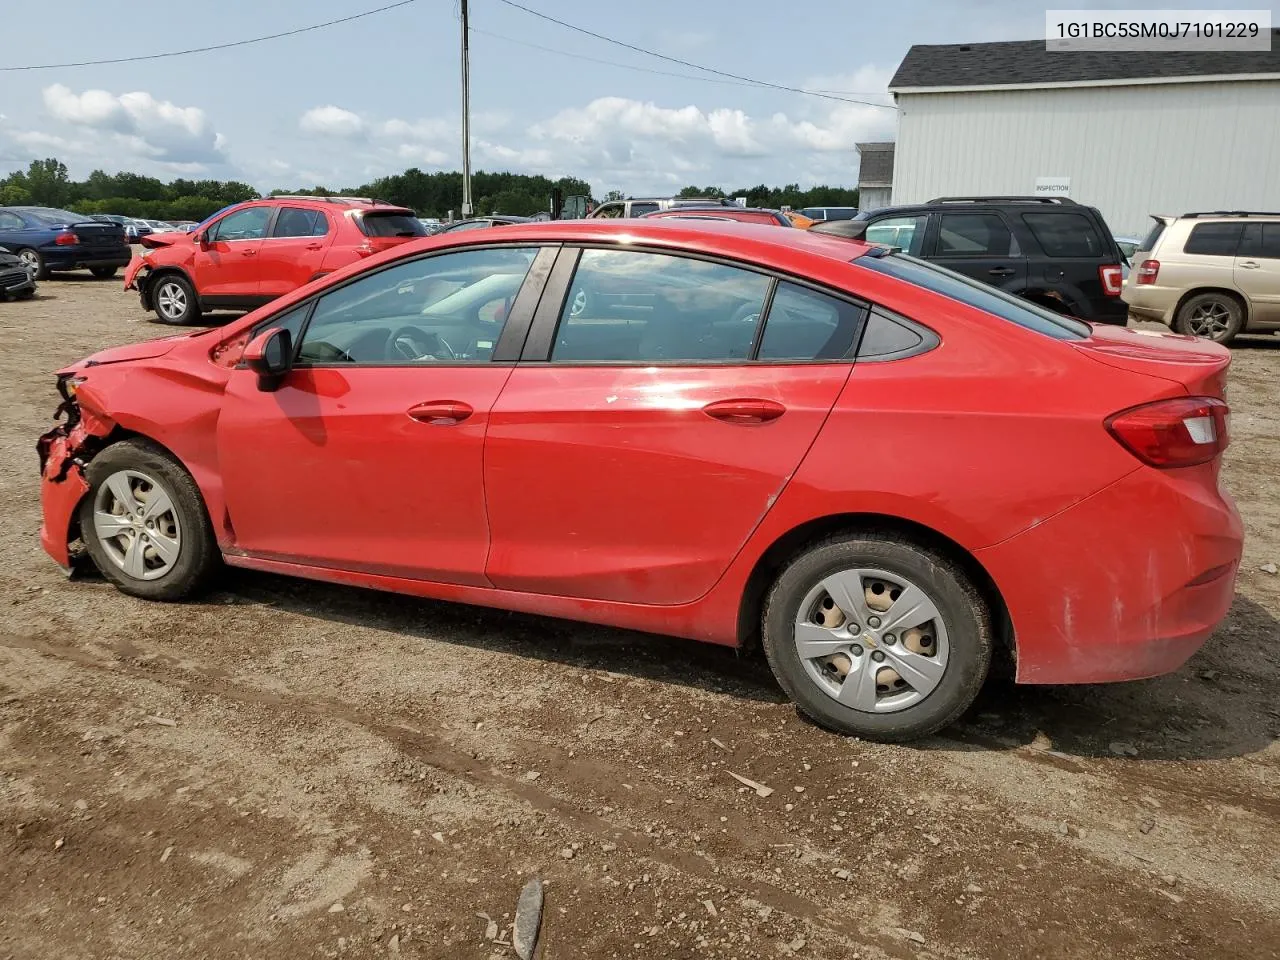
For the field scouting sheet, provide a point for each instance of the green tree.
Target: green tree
(47, 183)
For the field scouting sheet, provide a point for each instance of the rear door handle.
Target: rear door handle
(314, 246)
(748, 410)
(441, 412)
(1251, 265)
(248, 253)
(1002, 271)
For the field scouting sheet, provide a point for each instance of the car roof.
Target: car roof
(685, 208)
(730, 238)
(327, 203)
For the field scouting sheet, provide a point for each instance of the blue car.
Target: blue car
(48, 239)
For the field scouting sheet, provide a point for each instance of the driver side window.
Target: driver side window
(450, 308)
(247, 224)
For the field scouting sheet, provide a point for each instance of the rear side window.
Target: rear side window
(886, 338)
(374, 224)
(979, 295)
(628, 306)
(906, 233)
(804, 324)
(1214, 239)
(1149, 242)
(640, 209)
(974, 235)
(1261, 240)
(299, 222)
(1064, 234)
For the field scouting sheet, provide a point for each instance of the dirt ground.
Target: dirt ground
(293, 769)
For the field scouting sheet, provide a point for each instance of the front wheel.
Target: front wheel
(35, 262)
(877, 637)
(103, 273)
(144, 523)
(174, 300)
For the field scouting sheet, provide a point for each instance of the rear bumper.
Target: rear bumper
(1125, 585)
(1110, 310)
(74, 258)
(1150, 302)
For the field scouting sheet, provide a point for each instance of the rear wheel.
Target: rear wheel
(174, 299)
(102, 273)
(1214, 316)
(877, 637)
(34, 260)
(144, 523)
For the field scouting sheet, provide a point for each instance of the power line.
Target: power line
(687, 63)
(640, 69)
(216, 46)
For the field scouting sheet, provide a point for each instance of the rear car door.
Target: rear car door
(638, 444)
(368, 456)
(294, 252)
(1257, 270)
(1077, 253)
(226, 261)
(980, 245)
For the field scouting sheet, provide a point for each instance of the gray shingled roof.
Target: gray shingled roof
(1027, 61)
(875, 169)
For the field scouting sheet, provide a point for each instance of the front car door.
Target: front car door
(368, 456)
(981, 246)
(294, 252)
(1257, 271)
(654, 421)
(226, 264)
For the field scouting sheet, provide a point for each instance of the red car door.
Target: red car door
(634, 463)
(294, 252)
(368, 455)
(226, 258)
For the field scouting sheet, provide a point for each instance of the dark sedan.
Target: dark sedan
(49, 239)
(17, 280)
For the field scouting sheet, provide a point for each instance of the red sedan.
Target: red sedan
(879, 469)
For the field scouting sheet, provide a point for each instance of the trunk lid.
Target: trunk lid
(95, 233)
(1198, 365)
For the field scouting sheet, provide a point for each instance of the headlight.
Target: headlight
(68, 385)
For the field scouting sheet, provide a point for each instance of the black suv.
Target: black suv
(1050, 250)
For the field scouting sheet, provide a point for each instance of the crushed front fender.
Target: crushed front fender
(63, 452)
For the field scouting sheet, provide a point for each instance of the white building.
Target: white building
(1130, 133)
(875, 175)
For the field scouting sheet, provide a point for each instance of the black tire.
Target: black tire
(197, 552)
(103, 273)
(963, 613)
(33, 256)
(182, 289)
(1214, 316)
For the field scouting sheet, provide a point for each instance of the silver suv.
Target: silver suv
(636, 207)
(1209, 274)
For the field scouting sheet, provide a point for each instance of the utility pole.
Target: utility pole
(466, 114)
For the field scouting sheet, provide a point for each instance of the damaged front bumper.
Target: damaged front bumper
(64, 452)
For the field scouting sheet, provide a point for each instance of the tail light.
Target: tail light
(1148, 270)
(1112, 278)
(66, 239)
(1181, 432)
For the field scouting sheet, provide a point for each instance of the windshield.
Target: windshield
(959, 287)
(52, 215)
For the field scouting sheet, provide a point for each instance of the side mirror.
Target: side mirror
(202, 239)
(269, 355)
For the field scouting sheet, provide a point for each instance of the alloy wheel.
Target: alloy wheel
(171, 300)
(1210, 319)
(872, 640)
(137, 525)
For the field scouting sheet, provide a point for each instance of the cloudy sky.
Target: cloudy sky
(344, 104)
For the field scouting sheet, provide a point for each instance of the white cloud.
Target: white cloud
(331, 121)
(139, 122)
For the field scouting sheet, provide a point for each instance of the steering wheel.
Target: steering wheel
(413, 344)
